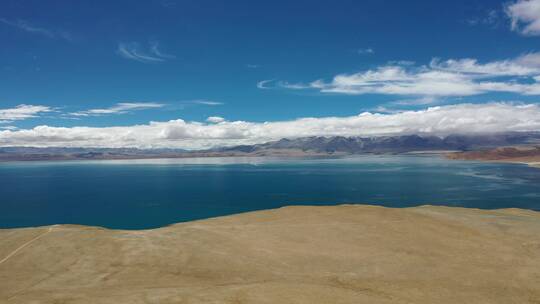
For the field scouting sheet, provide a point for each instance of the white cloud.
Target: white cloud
(155, 49)
(215, 119)
(119, 108)
(525, 16)
(293, 86)
(442, 120)
(525, 65)
(491, 18)
(402, 62)
(207, 102)
(263, 83)
(417, 101)
(453, 77)
(366, 51)
(396, 80)
(28, 27)
(22, 112)
(271, 84)
(134, 51)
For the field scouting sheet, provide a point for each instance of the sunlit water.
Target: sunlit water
(152, 193)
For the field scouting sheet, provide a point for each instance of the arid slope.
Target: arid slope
(340, 254)
(521, 154)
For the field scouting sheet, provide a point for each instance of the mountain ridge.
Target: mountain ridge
(302, 146)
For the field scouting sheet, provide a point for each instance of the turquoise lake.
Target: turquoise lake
(135, 194)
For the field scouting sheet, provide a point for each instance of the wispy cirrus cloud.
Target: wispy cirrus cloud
(440, 78)
(22, 112)
(147, 54)
(128, 107)
(31, 28)
(416, 101)
(525, 16)
(119, 108)
(206, 102)
(402, 62)
(155, 49)
(263, 84)
(366, 51)
(492, 18)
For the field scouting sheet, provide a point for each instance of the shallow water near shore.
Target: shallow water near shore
(138, 194)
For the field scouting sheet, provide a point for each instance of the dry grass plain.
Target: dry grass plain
(336, 254)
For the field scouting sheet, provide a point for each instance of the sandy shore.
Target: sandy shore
(340, 254)
(526, 161)
(534, 164)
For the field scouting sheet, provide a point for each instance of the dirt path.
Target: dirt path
(24, 245)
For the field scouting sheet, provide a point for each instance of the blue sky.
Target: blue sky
(123, 63)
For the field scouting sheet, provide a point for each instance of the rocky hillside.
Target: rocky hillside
(527, 154)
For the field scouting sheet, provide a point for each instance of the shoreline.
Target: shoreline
(436, 153)
(534, 164)
(528, 155)
(344, 205)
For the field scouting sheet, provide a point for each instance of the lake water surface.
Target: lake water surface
(134, 194)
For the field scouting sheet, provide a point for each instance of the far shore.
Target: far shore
(529, 155)
(518, 154)
(194, 155)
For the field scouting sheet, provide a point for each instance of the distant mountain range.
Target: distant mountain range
(32, 153)
(388, 144)
(306, 146)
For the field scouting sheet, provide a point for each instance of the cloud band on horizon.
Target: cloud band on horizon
(442, 120)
